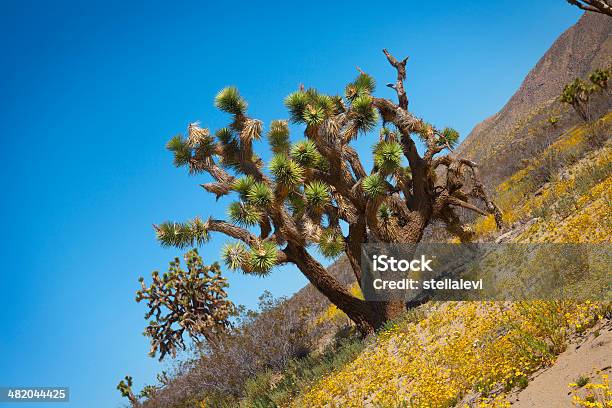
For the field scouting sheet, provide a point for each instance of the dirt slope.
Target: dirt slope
(586, 357)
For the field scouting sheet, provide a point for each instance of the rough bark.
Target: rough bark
(597, 6)
(359, 311)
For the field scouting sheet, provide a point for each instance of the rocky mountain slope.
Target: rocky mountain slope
(502, 140)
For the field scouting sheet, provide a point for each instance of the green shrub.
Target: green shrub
(299, 374)
(582, 381)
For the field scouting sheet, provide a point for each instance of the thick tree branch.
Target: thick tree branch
(597, 6)
(240, 234)
(400, 66)
(353, 159)
(461, 203)
(356, 237)
(479, 192)
(233, 231)
(455, 226)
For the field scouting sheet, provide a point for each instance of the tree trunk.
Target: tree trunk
(368, 316)
(388, 310)
(359, 311)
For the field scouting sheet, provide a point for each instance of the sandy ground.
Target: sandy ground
(549, 388)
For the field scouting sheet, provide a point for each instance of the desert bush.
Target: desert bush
(546, 170)
(192, 300)
(590, 176)
(582, 381)
(578, 92)
(598, 132)
(553, 120)
(300, 374)
(221, 366)
(596, 394)
(543, 212)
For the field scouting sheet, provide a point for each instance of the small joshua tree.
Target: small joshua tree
(578, 92)
(125, 388)
(600, 78)
(313, 187)
(147, 392)
(193, 300)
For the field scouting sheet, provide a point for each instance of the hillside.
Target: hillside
(514, 133)
(430, 356)
(555, 189)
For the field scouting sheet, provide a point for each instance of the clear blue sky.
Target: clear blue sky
(89, 94)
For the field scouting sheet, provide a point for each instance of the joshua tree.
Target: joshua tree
(125, 388)
(577, 95)
(597, 6)
(194, 300)
(578, 92)
(147, 392)
(316, 191)
(600, 78)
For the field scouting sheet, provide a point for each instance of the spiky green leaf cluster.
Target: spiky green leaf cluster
(242, 186)
(244, 214)
(373, 185)
(260, 195)
(296, 103)
(326, 103)
(286, 171)
(225, 135)
(331, 243)
(230, 101)
(449, 136)
(600, 78)
(235, 255)
(576, 91)
(384, 212)
(313, 115)
(182, 234)
(278, 136)
(296, 203)
(311, 107)
(180, 147)
(306, 154)
(231, 148)
(363, 113)
(263, 257)
(317, 194)
(388, 156)
(125, 387)
(362, 85)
